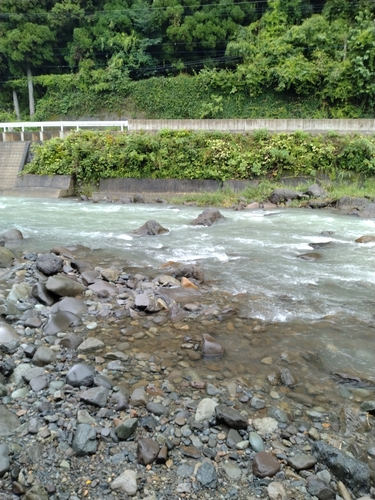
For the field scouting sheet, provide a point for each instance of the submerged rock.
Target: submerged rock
(211, 348)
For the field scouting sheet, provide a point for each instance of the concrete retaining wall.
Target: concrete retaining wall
(158, 185)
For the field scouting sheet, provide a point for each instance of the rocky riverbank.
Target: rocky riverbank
(101, 395)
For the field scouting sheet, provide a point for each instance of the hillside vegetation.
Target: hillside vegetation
(187, 58)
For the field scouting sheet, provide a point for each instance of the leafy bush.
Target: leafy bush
(90, 156)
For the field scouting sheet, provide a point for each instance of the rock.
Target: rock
(63, 286)
(156, 408)
(4, 459)
(287, 378)
(60, 322)
(265, 464)
(126, 483)
(36, 492)
(283, 194)
(276, 491)
(19, 292)
(6, 257)
(38, 383)
(84, 441)
(81, 265)
(312, 256)
(207, 475)
(205, 409)
(208, 217)
(49, 264)
(139, 397)
(231, 417)
(103, 288)
(7, 308)
(233, 438)
(41, 294)
(150, 228)
(44, 356)
(232, 470)
(91, 344)
(96, 396)
(71, 342)
(211, 348)
(256, 442)
(365, 239)
(80, 375)
(148, 450)
(7, 334)
(89, 277)
(70, 305)
(126, 428)
(266, 425)
(315, 191)
(190, 272)
(353, 473)
(319, 489)
(11, 235)
(302, 462)
(110, 274)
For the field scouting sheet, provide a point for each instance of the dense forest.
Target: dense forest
(187, 58)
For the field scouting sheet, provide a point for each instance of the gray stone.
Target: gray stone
(11, 235)
(70, 304)
(232, 470)
(302, 462)
(80, 375)
(44, 356)
(90, 344)
(156, 408)
(8, 421)
(84, 441)
(319, 489)
(233, 438)
(276, 491)
(185, 471)
(205, 409)
(39, 383)
(126, 483)
(63, 286)
(42, 295)
(32, 372)
(207, 475)
(84, 417)
(96, 396)
(60, 322)
(315, 191)
(231, 417)
(103, 288)
(49, 264)
(211, 348)
(257, 403)
(7, 334)
(353, 473)
(256, 442)
(283, 194)
(126, 428)
(139, 397)
(266, 425)
(279, 414)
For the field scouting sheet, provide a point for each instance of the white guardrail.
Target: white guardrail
(62, 126)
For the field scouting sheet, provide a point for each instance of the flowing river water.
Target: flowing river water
(318, 316)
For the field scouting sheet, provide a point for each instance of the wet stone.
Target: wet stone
(90, 344)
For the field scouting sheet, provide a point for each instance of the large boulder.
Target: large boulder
(151, 228)
(189, 271)
(356, 206)
(49, 264)
(283, 194)
(208, 217)
(63, 286)
(11, 235)
(315, 191)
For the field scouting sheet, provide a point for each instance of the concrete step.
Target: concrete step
(13, 156)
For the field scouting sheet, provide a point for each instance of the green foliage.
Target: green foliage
(90, 156)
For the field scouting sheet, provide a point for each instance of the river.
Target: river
(317, 315)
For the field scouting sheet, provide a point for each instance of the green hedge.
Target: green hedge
(90, 156)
